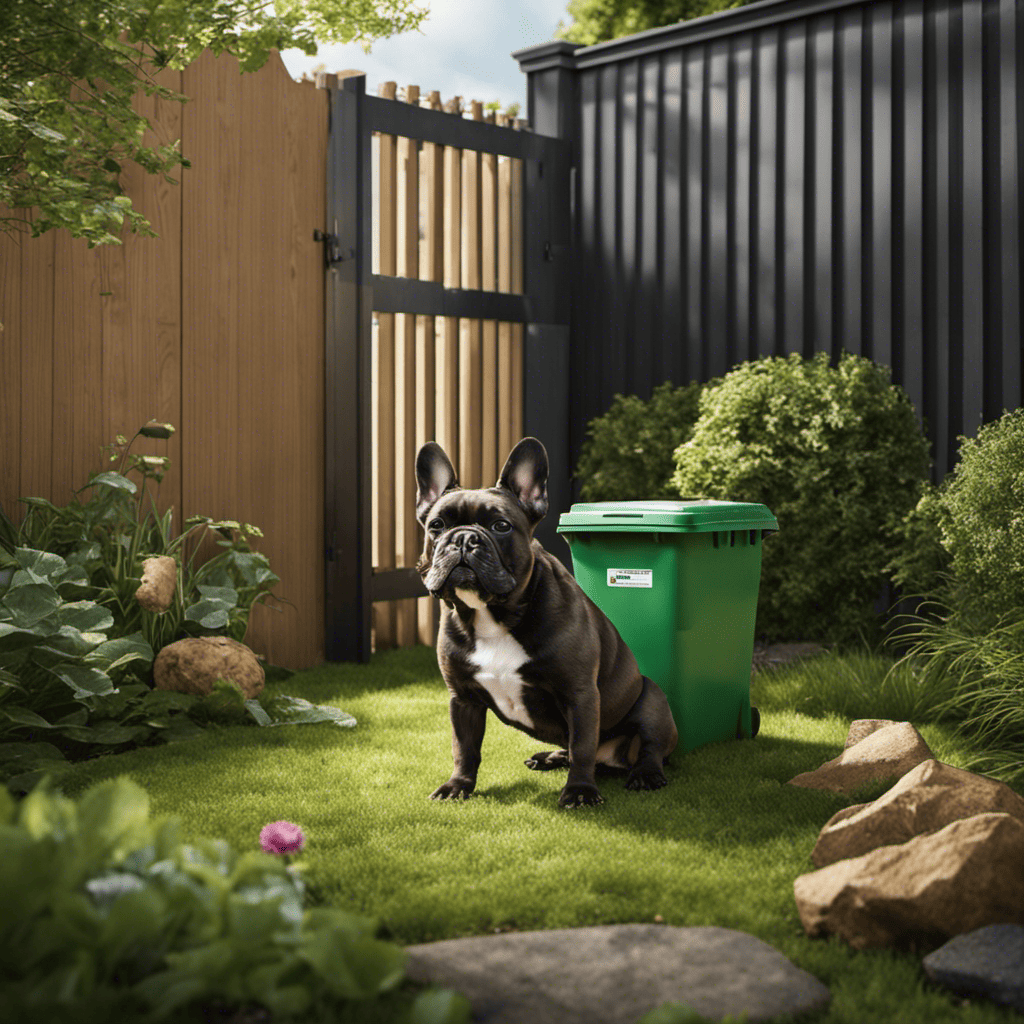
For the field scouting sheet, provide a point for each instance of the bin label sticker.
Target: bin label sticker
(630, 577)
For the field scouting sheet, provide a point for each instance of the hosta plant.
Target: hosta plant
(106, 914)
(69, 689)
(112, 531)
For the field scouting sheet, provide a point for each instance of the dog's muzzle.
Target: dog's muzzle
(467, 558)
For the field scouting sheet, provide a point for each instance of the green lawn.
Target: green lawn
(720, 845)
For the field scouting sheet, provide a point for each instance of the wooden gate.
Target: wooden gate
(468, 300)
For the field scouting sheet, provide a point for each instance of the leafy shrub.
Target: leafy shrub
(107, 915)
(628, 451)
(964, 541)
(110, 534)
(839, 458)
(64, 679)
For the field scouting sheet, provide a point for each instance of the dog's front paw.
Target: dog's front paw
(580, 794)
(646, 777)
(453, 789)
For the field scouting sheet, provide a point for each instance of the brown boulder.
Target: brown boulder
(861, 728)
(885, 754)
(193, 665)
(927, 798)
(922, 892)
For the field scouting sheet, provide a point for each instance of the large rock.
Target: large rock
(921, 892)
(927, 798)
(988, 962)
(883, 755)
(193, 666)
(614, 974)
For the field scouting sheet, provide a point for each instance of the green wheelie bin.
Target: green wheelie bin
(679, 580)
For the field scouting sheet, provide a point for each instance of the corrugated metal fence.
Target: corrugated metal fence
(797, 176)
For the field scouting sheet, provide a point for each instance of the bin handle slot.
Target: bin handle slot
(623, 515)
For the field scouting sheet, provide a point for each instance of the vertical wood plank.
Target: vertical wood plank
(384, 623)
(140, 308)
(11, 390)
(448, 332)
(407, 265)
(470, 356)
(489, 453)
(506, 438)
(252, 375)
(431, 269)
(43, 429)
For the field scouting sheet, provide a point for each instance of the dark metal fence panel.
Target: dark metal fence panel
(798, 176)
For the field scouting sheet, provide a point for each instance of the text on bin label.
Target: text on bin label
(630, 577)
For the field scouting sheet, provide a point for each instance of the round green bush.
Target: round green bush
(627, 453)
(972, 527)
(838, 456)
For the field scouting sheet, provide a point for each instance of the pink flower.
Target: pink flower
(281, 837)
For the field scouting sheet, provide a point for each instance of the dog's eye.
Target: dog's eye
(501, 526)
(435, 525)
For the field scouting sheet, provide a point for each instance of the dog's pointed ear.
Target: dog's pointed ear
(434, 476)
(526, 476)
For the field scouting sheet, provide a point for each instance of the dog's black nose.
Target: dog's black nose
(467, 540)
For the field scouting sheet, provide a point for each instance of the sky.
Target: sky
(462, 49)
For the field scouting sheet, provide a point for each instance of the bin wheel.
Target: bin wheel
(755, 723)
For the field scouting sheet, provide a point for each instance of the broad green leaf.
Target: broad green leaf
(24, 716)
(256, 710)
(111, 815)
(105, 733)
(440, 1006)
(14, 638)
(136, 920)
(86, 616)
(31, 602)
(112, 480)
(43, 564)
(354, 968)
(285, 710)
(226, 594)
(122, 651)
(43, 813)
(209, 614)
(73, 643)
(30, 752)
(84, 680)
(282, 1001)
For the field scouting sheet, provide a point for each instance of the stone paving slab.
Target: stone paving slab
(988, 961)
(614, 974)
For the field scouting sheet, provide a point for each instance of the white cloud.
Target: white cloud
(462, 49)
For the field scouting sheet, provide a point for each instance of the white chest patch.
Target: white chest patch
(498, 656)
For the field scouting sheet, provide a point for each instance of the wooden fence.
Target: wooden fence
(455, 217)
(217, 326)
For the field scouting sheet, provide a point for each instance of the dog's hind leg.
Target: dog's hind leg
(547, 760)
(655, 738)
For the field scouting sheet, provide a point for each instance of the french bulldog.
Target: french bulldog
(519, 637)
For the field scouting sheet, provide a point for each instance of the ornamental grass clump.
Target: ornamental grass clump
(837, 454)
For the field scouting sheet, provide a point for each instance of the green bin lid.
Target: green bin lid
(665, 517)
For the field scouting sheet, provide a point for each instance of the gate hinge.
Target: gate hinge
(332, 250)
